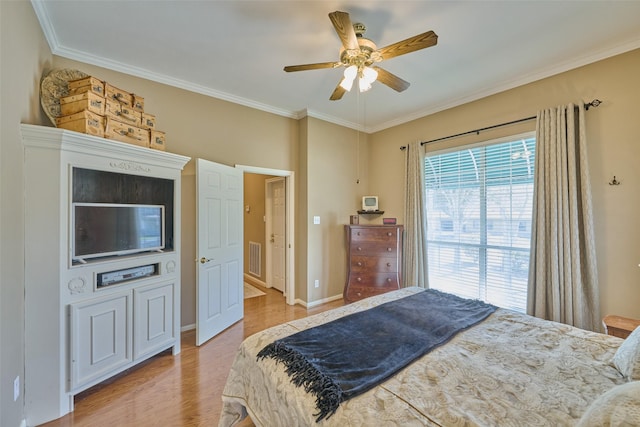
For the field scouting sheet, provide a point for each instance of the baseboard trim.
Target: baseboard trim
(186, 328)
(253, 281)
(318, 302)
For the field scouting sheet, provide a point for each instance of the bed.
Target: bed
(508, 370)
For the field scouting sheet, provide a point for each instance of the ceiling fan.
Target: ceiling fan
(358, 54)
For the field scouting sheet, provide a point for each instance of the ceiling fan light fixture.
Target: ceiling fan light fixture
(358, 53)
(364, 85)
(350, 74)
(367, 77)
(369, 74)
(346, 84)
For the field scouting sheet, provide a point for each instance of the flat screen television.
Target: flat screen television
(109, 229)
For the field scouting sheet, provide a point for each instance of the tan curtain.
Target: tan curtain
(563, 277)
(415, 219)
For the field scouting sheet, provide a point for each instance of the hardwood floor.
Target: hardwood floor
(184, 390)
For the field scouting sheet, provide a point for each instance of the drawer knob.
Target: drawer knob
(359, 279)
(389, 249)
(388, 280)
(389, 234)
(388, 264)
(359, 248)
(359, 264)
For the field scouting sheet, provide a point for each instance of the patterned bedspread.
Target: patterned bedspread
(509, 370)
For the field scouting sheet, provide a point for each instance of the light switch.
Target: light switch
(316, 219)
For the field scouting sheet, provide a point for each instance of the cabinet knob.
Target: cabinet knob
(359, 279)
(388, 264)
(389, 249)
(388, 280)
(358, 233)
(359, 264)
(389, 234)
(359, 248)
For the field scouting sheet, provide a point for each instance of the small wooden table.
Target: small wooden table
(619, 326)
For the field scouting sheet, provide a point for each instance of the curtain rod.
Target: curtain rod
(593, 103)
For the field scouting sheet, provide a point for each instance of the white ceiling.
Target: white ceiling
(236, 50)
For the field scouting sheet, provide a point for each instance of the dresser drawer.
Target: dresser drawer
(355, 293)
(377, 280)
(361, 264)
(374, 248)
(374, 234)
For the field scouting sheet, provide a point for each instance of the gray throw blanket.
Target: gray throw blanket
(350, 355)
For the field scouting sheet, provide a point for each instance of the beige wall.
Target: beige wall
(23, 53)
(334, 155)
(613, 136)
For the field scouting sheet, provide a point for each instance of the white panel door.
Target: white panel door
(219, 290)
(276, 214)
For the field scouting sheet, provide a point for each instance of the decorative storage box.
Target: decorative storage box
(122, 113)
(84, 101)
(112, 108)
(84, 121)
(87, 84)
(138, 102)
(129, 115)
(112, 92)
(126, 133)
(148, 121)
(157, 140)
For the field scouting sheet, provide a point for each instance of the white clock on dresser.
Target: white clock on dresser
(102, 262)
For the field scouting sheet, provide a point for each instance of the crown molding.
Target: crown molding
(57, 49)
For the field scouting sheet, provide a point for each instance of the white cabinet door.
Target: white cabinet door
(100, 338)
(152, 319)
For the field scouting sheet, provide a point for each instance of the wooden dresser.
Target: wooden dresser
(374, 260)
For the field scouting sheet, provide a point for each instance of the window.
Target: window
(484, 195)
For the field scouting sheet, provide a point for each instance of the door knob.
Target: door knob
(203, 260)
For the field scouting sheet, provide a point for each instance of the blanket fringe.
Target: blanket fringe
(328, 393)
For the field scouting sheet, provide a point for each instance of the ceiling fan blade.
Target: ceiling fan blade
(344, 28)
(337, 93)
(306, 67)
(411, 44)
(391, 80)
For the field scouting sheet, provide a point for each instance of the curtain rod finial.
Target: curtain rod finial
(596, 102)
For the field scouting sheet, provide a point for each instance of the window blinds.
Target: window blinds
(479, 208)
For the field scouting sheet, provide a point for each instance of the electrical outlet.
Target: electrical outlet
(16, 388)
(316, 283)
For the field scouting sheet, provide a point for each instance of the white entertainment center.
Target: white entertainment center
(87, 320)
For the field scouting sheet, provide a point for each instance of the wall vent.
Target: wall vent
(255, 255)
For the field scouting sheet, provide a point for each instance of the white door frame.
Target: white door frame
(290, 223)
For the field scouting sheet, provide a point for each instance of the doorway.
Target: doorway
(287, 235)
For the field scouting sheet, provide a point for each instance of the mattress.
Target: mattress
(509, 370)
